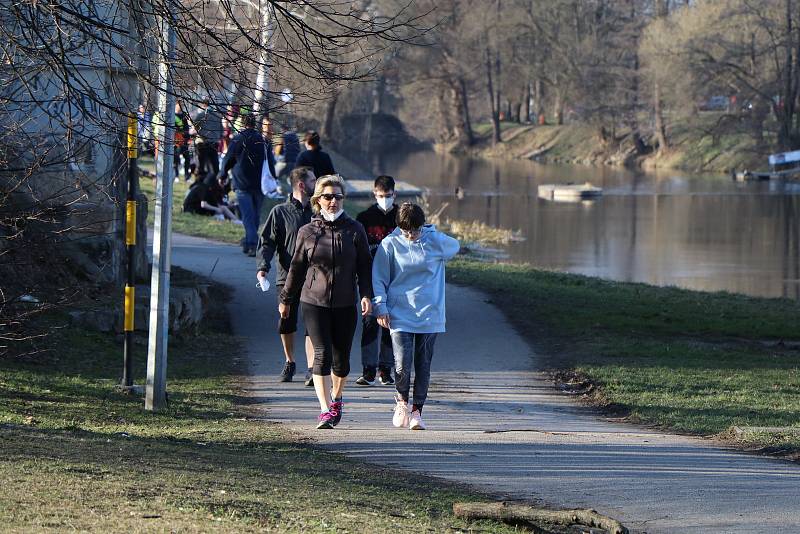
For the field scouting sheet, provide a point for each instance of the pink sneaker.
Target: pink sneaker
(416, 422)
(400, 418)
(325, 420)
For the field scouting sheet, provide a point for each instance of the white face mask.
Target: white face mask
(330, 217)
(385, 203)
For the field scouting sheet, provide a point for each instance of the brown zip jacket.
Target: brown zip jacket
(331, 264)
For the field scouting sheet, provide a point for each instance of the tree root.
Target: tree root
(521, 514)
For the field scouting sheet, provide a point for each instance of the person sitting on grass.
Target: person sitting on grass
(408, 282)
(207, 198)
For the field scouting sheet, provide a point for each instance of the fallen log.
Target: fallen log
(520, 514)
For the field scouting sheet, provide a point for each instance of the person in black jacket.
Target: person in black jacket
(207, 198)
(278, 236)
(330, 270)
(379, 220)
(245, 157)
(314, 157)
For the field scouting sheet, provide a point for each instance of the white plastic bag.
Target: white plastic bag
(269, 185)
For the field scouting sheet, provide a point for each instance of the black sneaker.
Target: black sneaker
(288, 372)
(368, 378)
(309, 379)
(386, 377)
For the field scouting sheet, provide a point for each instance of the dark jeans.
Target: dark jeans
(331, 331)
(417, 349)
(183, 150)
(250, 208)
(376, 344)
(207, 159)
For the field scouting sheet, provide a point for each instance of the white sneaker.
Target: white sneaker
(400, 418)
(416, 421)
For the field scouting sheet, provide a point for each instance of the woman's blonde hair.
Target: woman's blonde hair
(328, 180)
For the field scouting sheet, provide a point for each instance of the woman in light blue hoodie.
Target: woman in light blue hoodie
(408, 281)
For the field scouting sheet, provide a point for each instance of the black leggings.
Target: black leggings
(331, 331)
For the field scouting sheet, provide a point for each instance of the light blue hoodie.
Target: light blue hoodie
(408, 280)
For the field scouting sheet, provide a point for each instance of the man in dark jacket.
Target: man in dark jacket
(246, 156)
(278, 236)
(379, 220)
(314, 157)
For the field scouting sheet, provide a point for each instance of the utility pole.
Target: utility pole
(130, 242)
(262, 78)
(156, 389)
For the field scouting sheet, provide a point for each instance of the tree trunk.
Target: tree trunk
(528, 102)
(539, 99)
(494, 103)
(558, 108)
(462, 92)
(497, 91)
(444, 114)
(330, 114)
(462, 130)
(786, 116)
(661, 131)
(518, 113)
(378, 94)
(662, 10)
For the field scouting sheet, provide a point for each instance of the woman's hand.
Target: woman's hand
(366, 306)
(260, 275)
(283, 309)
(383, 321)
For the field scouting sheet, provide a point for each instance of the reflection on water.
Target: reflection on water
(700, 232)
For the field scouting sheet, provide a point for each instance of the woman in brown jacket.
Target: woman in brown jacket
(330, 267)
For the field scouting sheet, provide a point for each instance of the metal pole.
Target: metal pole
(262, 77)
(130, 242)
(156, 391)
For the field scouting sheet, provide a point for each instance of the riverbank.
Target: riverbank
(694, 146)
(79, 456)
(684, 361)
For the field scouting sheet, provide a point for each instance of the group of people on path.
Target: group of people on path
(386, 265)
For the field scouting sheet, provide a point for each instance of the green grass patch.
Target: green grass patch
(76, 455)
(686, 360)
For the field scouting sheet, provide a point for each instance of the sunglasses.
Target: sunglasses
(331, 196)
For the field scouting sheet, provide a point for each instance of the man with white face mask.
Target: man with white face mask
(379, 220)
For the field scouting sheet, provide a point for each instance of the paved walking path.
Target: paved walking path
(496, 424)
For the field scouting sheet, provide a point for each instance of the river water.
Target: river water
(701, 232)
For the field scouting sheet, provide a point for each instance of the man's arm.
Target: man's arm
(267, 241)
(230, 156)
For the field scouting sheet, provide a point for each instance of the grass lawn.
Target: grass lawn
(75, 455)
(684, 360)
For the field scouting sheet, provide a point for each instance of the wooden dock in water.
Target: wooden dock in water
(569, 192)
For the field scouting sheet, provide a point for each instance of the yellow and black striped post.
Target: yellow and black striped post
(130, 242)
